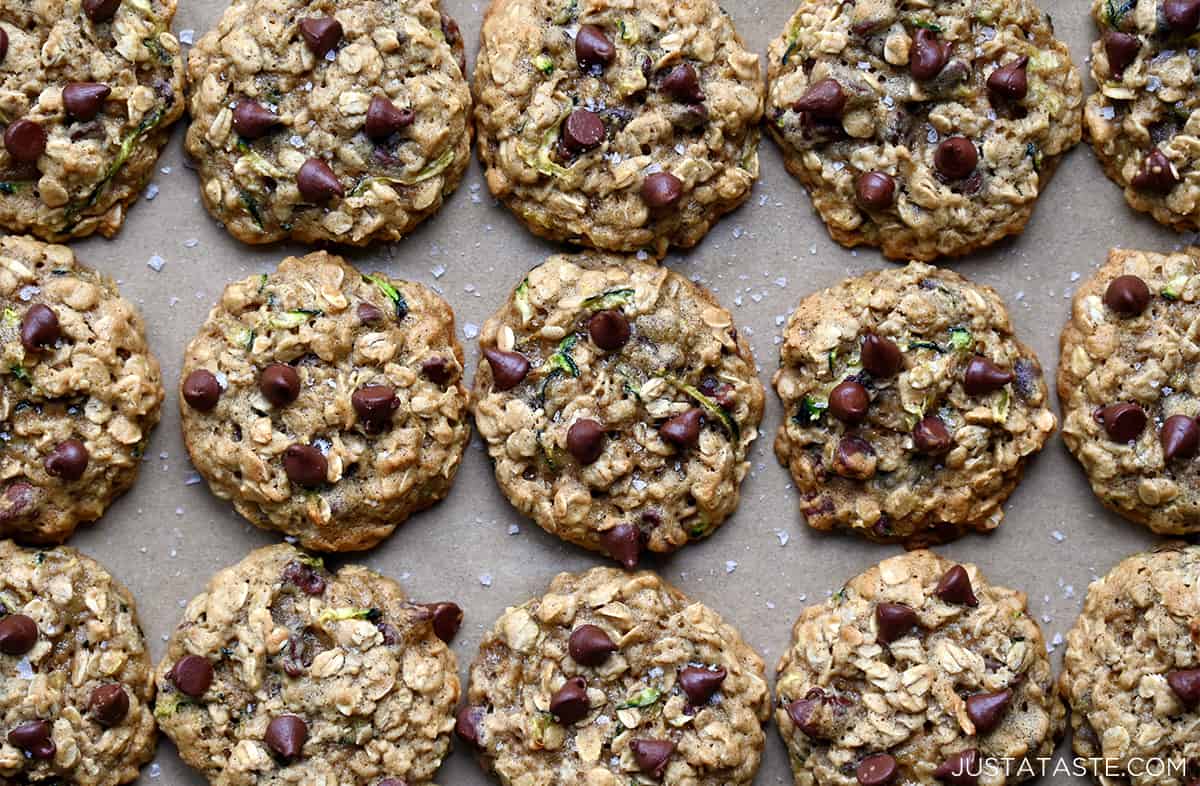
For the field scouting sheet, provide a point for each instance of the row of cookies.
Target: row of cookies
(917, 671)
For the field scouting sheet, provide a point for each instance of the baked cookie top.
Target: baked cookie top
(284, 672)
(614, 678)
(88, 92)
(618, 403)
(76, 686)
(910, 407)
(1139, 120)
(916, 672)
(1132, 669)
(928, 129)
(345, 121)
(1126, 386)
(618, 125)
(80, 391)
(325, 403)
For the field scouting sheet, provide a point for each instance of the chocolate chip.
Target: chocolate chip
(508, 368)
(1181, 16)
(880, 356)
(683, 430)
(803, 712)
(700, 683)
(100, 10)
(961, 769)
(286, 735)
(385, 118)
(583, 131)
(589, 645)
(306, 577)
(375, 405)
(894, 620)
(317, 182)
(1127, 295)
(849, 402)
(1010, 82)
(683, 84)
(109, 704)
(986, 710)
(305, 465)
(466, 724)
(1123, 422)
(1157, 175)
(854, 458)
(253, 120)
(609, 329)
(929, 55)
(1180, 437)
(18, 634)
(1186, 685)
(437, 370)
(192, 674)
(39, 328)
(824, 100)
(1122, 49)
(624, 544)
(931, 437)
(955, 587)
(321, 34)
(68, 460)
(876, 770)
(652, 755)
(662, 191)
(593, 50)
(25, 140)
(983, 376)
(201, 390)
(570, 703)
(369, 313)
(875, 190)
(280, 384)
(956, 157)
(34, 738)
(3, 44)
(585, 440)
(84, 100)
(447, 618)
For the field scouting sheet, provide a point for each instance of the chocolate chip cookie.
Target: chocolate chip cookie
(1132, 671)
(88, 92)
(80, 392)
(1125, 382)
(345, 121)
(618, 403)
(928, 129)
(284, 672)
(918, 671)
(621, 127)
(910, 406)
(615, 678)
(325, 403)
(75, 676)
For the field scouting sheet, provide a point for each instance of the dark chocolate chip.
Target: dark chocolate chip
(317, 182)
(84, 100)
(25, 140)
(662, 191)
(609, 329)
(880, 356)
(306, 577)
(1127, 295)
(849, 402)
(876, 770)
(68, 460)
(929, 55)
(983, 376)
(894, 621)
(854, 458)
(508, 368)
(1157, 175)
(583, 131)
(589, 645)
(700, 683)
(875, 190)
(624, 544)
(652, 756)
(321, 34)
(34, 738)
(467, 722)
(1122, 49)
(1123, 422)
(201, 390)
(253, 120)
(1181, 16)
(446, 617)
(39, 328)
(437, 370)
(986, 710)
(385, 118)
(280, 384)
(1010, 82)
(18, 634)
(100, 10)
(1186, 685)
(369, 313)
(956, 157)
(286, 735)
(375, 405)
(305, 465)
(683, 430)
(1180, 437)
(109, 704)
(569, 704)
(931, 437)
(683, 84)
(803, 712)
(824, 100)
(585, 440)
(961, 769)
(192, 675)
(593, 50)
(3, 44)
(955, 587)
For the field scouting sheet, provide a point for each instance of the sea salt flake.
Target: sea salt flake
(157, 263)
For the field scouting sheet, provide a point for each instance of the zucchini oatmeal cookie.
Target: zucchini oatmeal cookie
(1131, 672)
(911, 408)
(284, 672)
(617, 124)
(76, 681)
(618, 404)
(80, 392)
(326, 404)
(614, 678)
(89, 90)
(1127, 387)
(928, 129)
(918, 672)
(343, 121)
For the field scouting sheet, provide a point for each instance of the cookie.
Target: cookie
(76, 683)
(614, 678)
(90, 90)
(80, 392)
(928, 129)
(918, 671)
(618, 404)
(1139, 119)
(284, 672)
(326, 404)
(1132, 671)
(621, 127)
(344, 121)
(910, 406)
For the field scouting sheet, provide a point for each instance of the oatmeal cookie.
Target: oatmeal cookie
(344, 121)
(76, 682)
(917, 672)
(928, 129)
(617, 124)
(911, 408)
(615, 678)
(618, 404)
(88, 91)
(1132, 670)
(80, 392)
(283, 672)
(326, 404)
(1125, 382)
